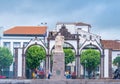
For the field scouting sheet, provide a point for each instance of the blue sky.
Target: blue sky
(103, 15)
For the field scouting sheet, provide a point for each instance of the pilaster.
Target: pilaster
(16, 63)
(110, 63)
(23, 63)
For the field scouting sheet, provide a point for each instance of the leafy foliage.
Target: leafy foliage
(34, 55)
(69, 56)
(90, 59)
(116, 61)
(6, 57)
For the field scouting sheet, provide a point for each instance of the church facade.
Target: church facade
(77, 35)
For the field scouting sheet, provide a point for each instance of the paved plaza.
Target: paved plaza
(68, 81)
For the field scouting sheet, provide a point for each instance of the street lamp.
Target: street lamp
(85, 68)
(2, 71)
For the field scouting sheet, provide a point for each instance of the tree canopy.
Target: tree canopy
(69, 56)
(34, 55)
(116, 61)
(6, 57)
(90, 59)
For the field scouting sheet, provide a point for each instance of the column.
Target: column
(16, 63)
(47, 62)
(78, 72)
(102, 67)
(110, 63)
(78, 66)
(23, 64)
(47, 56)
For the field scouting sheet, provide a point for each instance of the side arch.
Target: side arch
(93, 43)
(36, 42)
(99, 47)
(38, 45)
(32, 42)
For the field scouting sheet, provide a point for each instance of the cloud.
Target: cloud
(108, 33)
(103, 15)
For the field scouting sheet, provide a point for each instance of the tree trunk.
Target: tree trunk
(93, 76)
(0, 72)
(89, 72)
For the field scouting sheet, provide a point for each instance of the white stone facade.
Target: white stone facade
(86, 37)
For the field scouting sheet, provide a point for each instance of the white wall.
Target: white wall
(106, 62)
(19, 73)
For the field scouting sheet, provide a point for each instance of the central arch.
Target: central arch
(65, 46)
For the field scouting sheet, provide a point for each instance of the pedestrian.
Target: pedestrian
(49, 74)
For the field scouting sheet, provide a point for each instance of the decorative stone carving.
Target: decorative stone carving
(64, 32)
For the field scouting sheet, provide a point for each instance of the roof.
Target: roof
(111, 44)
(76, 23)
(26, 31)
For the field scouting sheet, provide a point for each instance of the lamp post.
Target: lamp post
(85, 68)
(2, 71)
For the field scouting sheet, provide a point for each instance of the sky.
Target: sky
(103, 15)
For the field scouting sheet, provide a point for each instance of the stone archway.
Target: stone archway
(67, 45)
(99, 47)
(42, 66)
(84, 72)
(35, 41)
(21, 58)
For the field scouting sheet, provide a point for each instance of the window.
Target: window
(79, 28)
(6, 44)
(16, 44)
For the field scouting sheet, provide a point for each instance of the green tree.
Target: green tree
(34, 56)
(90, 59)
(6, 58)
(116, 61)
(69, 56)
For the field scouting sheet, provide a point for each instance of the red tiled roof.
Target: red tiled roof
(26, 30)
(111, 44)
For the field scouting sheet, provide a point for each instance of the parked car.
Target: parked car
(2, 77)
